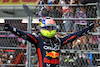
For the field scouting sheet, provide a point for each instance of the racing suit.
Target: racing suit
(48, 49)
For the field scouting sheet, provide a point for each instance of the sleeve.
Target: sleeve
(27, 36)
(72, 37)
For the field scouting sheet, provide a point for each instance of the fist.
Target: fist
(7, 27)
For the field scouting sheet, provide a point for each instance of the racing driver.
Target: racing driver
(47, 43)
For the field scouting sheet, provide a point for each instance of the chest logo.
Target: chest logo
(52, 54)
(51, 48)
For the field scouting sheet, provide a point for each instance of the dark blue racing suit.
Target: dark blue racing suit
(48, 49)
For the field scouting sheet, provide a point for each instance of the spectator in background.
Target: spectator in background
(40, 7)
(46, 9)
(56, 1)
(96, 38)
(1, 51)
(24, 48)
(64, 7)
(69, 24)
(43, 9)
(82, 62)
(80, 24)
(56, 13)
(77, 44)
(91, 12)
(10, 60)
(35, 60)
(65, 10)
(18, 57)
(4, 59)
(68, 60)
(23, 44)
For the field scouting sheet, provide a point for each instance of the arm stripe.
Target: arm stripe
(40, 57)
(69, 39)
(32, 37)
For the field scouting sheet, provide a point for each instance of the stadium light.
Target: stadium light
(2, 21)
(24, 20)
(33, 20)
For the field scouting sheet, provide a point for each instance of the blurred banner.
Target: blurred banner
(17, 2)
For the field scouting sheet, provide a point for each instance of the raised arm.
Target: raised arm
(76, 35)
(27, 36)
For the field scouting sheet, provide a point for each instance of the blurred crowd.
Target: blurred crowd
(63, 10)
(86, 42)
(12, 57)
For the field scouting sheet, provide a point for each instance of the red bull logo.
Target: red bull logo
(52, 54)
(53, 61)
(50, 22)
